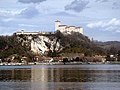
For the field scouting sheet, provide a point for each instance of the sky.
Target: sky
(99, 18)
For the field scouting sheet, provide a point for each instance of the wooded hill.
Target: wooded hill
(9, 45)
(73, 43)
(78, 43)
(111, 47)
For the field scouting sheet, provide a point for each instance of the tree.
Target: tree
(65, 60)
(108, 58)
(113, 50)
(118, 54)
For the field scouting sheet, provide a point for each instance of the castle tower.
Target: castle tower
(81, 31)
(57, 23)
(22, 31)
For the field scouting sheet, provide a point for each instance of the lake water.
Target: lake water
(60, 77)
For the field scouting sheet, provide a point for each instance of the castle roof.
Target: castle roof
(71, 26)
(78, 27)
(57, 21)
(62, 25)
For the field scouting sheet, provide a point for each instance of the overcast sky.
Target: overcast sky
(99, 18)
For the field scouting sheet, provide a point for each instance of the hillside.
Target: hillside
(47, 45)
(78, 43)
(9, 46)
(111, 47)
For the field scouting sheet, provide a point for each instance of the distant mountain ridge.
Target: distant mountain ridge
(107, 45)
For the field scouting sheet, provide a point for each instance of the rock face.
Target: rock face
(40, 44)
(43, 44)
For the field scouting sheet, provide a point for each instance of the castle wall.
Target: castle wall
(26, 33)
(57, 24)
(67, 29)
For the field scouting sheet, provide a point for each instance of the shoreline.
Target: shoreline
(58, 63)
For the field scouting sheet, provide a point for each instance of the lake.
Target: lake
(60, 77)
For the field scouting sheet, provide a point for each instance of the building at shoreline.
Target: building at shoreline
(67, 29)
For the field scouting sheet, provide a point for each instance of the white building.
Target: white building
(67, 29)
(22, 32)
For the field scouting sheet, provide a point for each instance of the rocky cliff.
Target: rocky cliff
(54, 44)
(41, 44)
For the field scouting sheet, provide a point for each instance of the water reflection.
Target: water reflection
(74, 75)
(59, 78)
(15, 75)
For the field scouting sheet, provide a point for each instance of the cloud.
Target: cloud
(7, 13)
(101, 0)
(27, 25)
(29, 12)
(13, 19)
(77, 5)
(65, 14)
(30, 1)
(7, 27)
(7, 23)
(112, 22)
(111, 25)
(116, 5)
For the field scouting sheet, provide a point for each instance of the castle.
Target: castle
(67, 29)
(38, 45)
